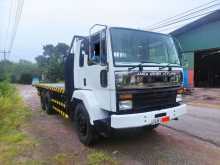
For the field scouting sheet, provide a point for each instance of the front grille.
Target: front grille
(153, 99)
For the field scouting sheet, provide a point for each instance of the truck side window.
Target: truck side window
(98, 49)
(96, 52)
(94, 57)
(82, 54)
(103, 48)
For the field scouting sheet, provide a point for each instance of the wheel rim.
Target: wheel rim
(82, 124)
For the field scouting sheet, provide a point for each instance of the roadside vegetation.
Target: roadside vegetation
(14, 143)
(18, 148)
(49, 66)
(18, 72)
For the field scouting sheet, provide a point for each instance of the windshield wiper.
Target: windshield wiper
(165, 66)
(140, 65)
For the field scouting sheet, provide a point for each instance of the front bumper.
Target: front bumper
(144, 119)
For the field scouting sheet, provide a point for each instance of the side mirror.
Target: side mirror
(104, 78)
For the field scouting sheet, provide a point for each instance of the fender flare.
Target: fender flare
(91, 104)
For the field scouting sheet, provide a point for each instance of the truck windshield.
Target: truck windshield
(132, 47)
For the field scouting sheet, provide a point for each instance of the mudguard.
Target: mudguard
(90, 102)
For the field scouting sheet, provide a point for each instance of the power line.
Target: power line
(181, 14)
(9, 23)
(15, 11)
(168, 28)
(185, 19)
(7, 30)
(185, 16)
(17, 20)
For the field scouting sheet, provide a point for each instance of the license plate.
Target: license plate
(164, 119)
(156, 121)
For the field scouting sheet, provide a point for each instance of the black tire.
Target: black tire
(48, 105)
(85, 130)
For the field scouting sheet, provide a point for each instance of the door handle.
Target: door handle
(84, 81)
(104, 78)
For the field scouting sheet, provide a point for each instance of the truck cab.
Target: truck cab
(119, 78)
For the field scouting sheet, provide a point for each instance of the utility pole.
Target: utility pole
(4, 54)
(3, 68)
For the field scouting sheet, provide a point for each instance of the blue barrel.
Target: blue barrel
(185, 78)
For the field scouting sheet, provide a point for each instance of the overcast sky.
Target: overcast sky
(51, 21)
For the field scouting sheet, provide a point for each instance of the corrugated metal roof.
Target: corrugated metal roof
(213, 17)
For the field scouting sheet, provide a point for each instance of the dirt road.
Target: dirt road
(183, 142)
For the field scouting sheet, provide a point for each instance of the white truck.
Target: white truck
(117, 78)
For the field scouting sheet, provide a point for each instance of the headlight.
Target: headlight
(125, 105)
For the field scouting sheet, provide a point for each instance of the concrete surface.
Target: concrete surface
(200, 122)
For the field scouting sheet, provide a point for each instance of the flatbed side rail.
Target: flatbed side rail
(54, 89)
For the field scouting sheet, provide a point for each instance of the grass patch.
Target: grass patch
(13, 142)
(64, 159)
(32, 162)
(100, 158)
(93, 158)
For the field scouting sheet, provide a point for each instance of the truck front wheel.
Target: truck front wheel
(85, 130)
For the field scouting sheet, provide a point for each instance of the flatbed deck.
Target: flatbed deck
(55, 87)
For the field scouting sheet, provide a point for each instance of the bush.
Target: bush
(21, 72)
(26, 78)
(6, 90)
(12, 109)
(13, 113)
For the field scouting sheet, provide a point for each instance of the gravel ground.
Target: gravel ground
(208, 97)
(194, 139)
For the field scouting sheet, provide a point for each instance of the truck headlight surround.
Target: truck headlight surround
(125, 105)
(179, 98)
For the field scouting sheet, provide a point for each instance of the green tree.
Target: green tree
(50, 63)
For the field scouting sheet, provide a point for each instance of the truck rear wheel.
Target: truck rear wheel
(42, 101)
(48, 105)
(85, 130)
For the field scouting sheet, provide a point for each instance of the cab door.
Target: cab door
(79, 68)
(96, 72)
